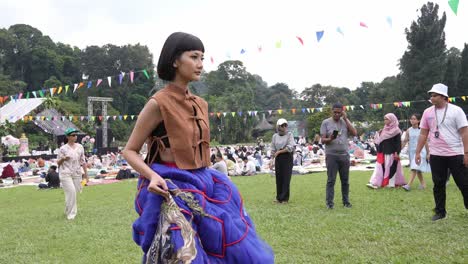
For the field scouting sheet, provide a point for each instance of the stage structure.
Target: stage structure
(104, 101)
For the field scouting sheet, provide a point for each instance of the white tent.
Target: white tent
(17, 109)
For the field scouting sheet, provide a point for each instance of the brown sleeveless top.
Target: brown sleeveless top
(185, 118)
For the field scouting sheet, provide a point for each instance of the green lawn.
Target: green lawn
(384, 226)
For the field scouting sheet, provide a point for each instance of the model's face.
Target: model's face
(336, 113)
(386, 121)
(283, 128)
(436, 99)
(189, 65)
(414, 121)
(72, 137)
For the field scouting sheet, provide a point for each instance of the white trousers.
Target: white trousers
(71, 185)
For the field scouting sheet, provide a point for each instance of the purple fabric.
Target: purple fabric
(226, 236)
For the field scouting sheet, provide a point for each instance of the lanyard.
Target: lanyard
(443, 118)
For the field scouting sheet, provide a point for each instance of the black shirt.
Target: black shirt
(390, 145)
(53, 180)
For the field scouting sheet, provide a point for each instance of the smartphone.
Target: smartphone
(335, 133)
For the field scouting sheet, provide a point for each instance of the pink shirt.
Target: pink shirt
(449, 142)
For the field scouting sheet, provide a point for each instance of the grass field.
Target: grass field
(384, 226)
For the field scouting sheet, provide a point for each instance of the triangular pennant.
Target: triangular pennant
(362, 24)
(454, 5)
(80, 85)
(107, 117)
(120, 117)
(100, 118)
(41, 93)
(59, 90)
(34, 93)
(303, 110)
(280, 111)
(224, 114)
(66, 88)
(361, 106)
(75, 86)
(114, 117)
(463, 98)
(300, 40)
(51, 92)
(120, 78)
(233, 114)
(132, 74)
(125, 117)
(278, 44)
(255, 113)
(81, 118)
(239, 113)
(20, 95)
(93, 118)
(132, 117)
(218, 114)
(270, 111)
(352, 107)
(109, 80)
(27, 95)
(249, 112)
(90, 83)
(319, 35)
(293, 111)
(99, 81)
(339, 30)
(146, 74)
(308, 110)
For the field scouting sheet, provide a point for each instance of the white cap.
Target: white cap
(281, 121)
(439, 88)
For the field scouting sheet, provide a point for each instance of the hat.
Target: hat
(70, 130)
(281, 121)
(439, 88)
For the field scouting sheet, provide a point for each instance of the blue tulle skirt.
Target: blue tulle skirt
(225, 235)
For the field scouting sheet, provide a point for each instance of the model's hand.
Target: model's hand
(465, 160)
(417, 158)
(158, 185)
(428, 157)
(66, 158)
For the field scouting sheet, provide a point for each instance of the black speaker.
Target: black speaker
(98, 142)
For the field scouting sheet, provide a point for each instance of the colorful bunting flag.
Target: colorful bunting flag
(146, 74)
(300, 40)
(319, 35)
(454, 5)
(362, 24)
(131, 76)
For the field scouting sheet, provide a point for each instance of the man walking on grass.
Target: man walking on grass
(447, 128)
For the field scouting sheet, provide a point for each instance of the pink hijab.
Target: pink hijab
(389, 130)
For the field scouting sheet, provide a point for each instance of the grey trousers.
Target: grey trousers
(337, 164)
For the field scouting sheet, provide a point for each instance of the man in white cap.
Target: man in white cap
(447, 128)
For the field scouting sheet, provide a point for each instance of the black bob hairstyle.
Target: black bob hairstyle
(176, 44)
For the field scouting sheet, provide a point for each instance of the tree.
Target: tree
(453, 71)
(423, 63)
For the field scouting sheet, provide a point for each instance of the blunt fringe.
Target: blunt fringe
(176, 44)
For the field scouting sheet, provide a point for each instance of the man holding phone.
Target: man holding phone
(335, 132)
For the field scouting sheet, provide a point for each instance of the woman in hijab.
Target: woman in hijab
(388, 171)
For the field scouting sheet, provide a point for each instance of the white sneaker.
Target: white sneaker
(406, 187)
(370, 185)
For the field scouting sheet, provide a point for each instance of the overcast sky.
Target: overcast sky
(226, 27)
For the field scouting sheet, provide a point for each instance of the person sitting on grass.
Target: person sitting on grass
(52, 179)
(248, 168)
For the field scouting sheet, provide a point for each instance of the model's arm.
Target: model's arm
(147, 121)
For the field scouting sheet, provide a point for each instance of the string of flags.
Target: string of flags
(376, 106)
(310, 110)
(64, 89)
(75, 118)
(319, 34)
